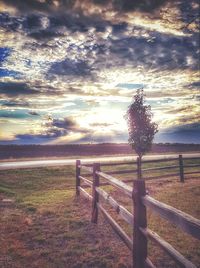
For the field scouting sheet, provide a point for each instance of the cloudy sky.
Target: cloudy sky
(69, 69)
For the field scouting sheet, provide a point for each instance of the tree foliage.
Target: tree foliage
(140, 126)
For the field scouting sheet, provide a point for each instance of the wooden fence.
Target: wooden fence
(141, 201)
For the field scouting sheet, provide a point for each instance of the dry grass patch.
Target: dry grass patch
(47, 226)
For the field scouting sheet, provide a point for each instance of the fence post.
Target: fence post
(78, 172)
(139, 168)
(181, 168)
(140, 221)
(95, 195)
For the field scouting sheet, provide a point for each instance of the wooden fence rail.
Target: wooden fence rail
(141, 202)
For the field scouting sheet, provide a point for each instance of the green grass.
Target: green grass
(6, 190)
(47, 226)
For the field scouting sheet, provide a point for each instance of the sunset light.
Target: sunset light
(83, 63)
(99, 133)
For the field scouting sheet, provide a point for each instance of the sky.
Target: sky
(69, 69)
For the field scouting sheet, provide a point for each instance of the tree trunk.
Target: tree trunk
(139, 167)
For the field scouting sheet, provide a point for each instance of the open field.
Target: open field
(72, 150)
(44, 225)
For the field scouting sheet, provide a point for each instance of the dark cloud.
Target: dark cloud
(16, 88)
(11, 23)
(34, 28)
(197, 98)
(70, 68)
(4, 53)
(156, 50)
(44, 34)
(119, 27)
(33, 24)
(164, 51)
(194, 84)
(92, 40)
(189, 13)
(188, 133)
(159, 50)
(188, 10)
(188, 128)
(53, 129)
(36, 5)
(78, 23)
(141, 5)
(15, 103)
(60, 127)
(71, 11)
(53, 133)
(64, 123)
(62, 5)
(33, 113)
(34, 138)
(19, 89)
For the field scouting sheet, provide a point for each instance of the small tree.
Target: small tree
(141, 129)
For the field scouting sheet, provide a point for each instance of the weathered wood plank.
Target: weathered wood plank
(191, 158)
(192, 172)
(125, 238)
(123, 212)
(125, 181)
(140, 220)
(107, 183)
(119, 184)
(192, 165)
(184, 221)
(178, 257)
(86, 194)
(95, 195)
(86, 181)
(149, 264)
(181, 168)
(78, 172)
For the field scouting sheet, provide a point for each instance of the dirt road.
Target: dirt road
(64, 162)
